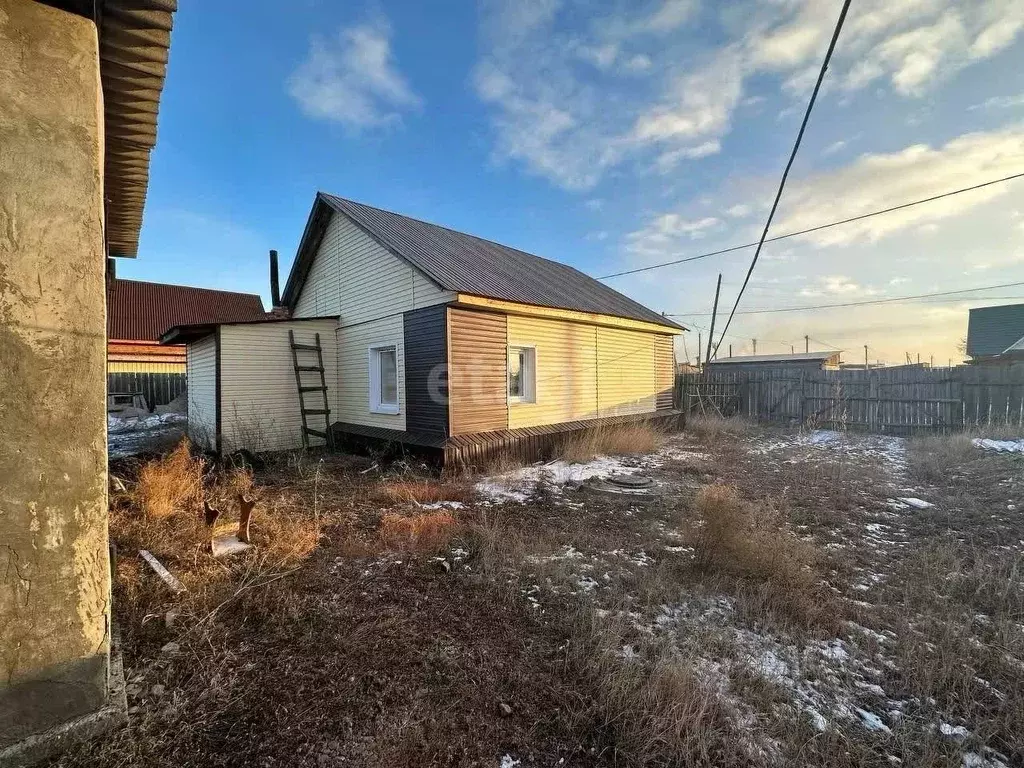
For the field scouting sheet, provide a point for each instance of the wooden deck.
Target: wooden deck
(477, 450)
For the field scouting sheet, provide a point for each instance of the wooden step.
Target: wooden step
(309, 368)
(312, 389)
(307, 347)
(316, 433)
(315, 411)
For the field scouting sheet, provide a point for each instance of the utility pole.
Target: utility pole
(791, 350)
(699, 348)
(755, 345)
(714, 312)
(865, 357)
(918, 358)
(730, 350)
(807, 343)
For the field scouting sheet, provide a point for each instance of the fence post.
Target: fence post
(872, 404)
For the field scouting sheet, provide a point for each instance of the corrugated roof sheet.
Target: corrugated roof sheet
(138, 310)
(798, 357)
(992, 330)
(464, 263)
(134, 39)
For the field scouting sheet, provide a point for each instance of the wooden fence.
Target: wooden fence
(898, 400)
(158, 388)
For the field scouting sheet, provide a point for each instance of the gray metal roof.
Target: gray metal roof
(799, 357)
(464, 263)
(993, 330)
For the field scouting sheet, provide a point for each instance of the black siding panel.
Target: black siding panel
(426, 370)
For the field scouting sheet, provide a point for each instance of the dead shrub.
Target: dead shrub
(429, 532)
(170, 484)
(714, 428)
(620, 440)
(421, 492)
(935, 458)
(753, 544)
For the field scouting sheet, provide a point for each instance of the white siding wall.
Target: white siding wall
(356, 278)
(259, 396)
(201, 370)
(354, 372)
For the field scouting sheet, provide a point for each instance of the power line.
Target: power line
(890, 300)
(789, 165)
(817, 228)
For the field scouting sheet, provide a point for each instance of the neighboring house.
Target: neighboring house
(441, 340)
(139, 312)
(80, 85)
(800, 361)
(995, 335)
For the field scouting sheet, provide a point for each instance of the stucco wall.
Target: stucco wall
(54, 564)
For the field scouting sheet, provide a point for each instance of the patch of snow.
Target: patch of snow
(507, 761)
(871, 721)
(443, 505)
(1000, 446)
(915, 502)
(955, 732)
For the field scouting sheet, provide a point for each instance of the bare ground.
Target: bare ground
(565, 625)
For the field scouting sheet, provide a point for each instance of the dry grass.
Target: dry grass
(656, 708)
(753, 544)
(169, 485)
(713, 429)
(428, 532)
(935, 458)
(421, 492)
(620, 440)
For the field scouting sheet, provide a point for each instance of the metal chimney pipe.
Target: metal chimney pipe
(275, 281)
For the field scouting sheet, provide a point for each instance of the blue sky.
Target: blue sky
(612, 135)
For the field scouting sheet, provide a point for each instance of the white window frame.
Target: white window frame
(376, 406)
(529, 374)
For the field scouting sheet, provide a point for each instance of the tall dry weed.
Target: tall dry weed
(171, 484)
(428, 532)
(618, 440)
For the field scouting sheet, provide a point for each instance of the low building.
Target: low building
(995, 335)
(440, 340)
(799, 361)
(139, 312)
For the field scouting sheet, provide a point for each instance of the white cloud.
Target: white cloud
(738, 211)
(876, 181)
(1000, 102)
(667, 161)
(638, 63)
(834, 147)
(667, 230)
(352, 79)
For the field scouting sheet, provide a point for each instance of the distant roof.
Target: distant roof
(993, 330)
(464, 263)
(138, 310)
(799, 357)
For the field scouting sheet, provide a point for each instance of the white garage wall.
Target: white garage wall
(201, 381)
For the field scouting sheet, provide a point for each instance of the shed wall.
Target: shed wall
(664, 370)
(201, 372)
(259, 395)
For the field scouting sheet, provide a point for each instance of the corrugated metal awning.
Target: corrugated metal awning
(134, 39)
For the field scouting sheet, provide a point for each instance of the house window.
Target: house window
(521, 374)
(384, 378)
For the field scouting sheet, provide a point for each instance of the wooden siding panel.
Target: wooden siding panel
(426, 370)
(626, 381)
(477, 370)
(566, 371)
(354, 372)
(201, 374)
(259, 396)
(355, 277)
(664, 370)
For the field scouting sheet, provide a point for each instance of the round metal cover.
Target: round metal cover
(631, 481)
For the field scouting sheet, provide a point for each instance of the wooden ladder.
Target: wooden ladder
(303, 389)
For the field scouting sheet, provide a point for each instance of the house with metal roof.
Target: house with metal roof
(807, 361)
(438, 339)
(139, 312)
(995, 335)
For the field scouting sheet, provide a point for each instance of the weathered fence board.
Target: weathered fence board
(900, 399)
(158, 388)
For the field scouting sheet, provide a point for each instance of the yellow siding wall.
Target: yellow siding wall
(626, 381)
(122, 367)
(566, 375)
(665, 369)
(259, 399)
